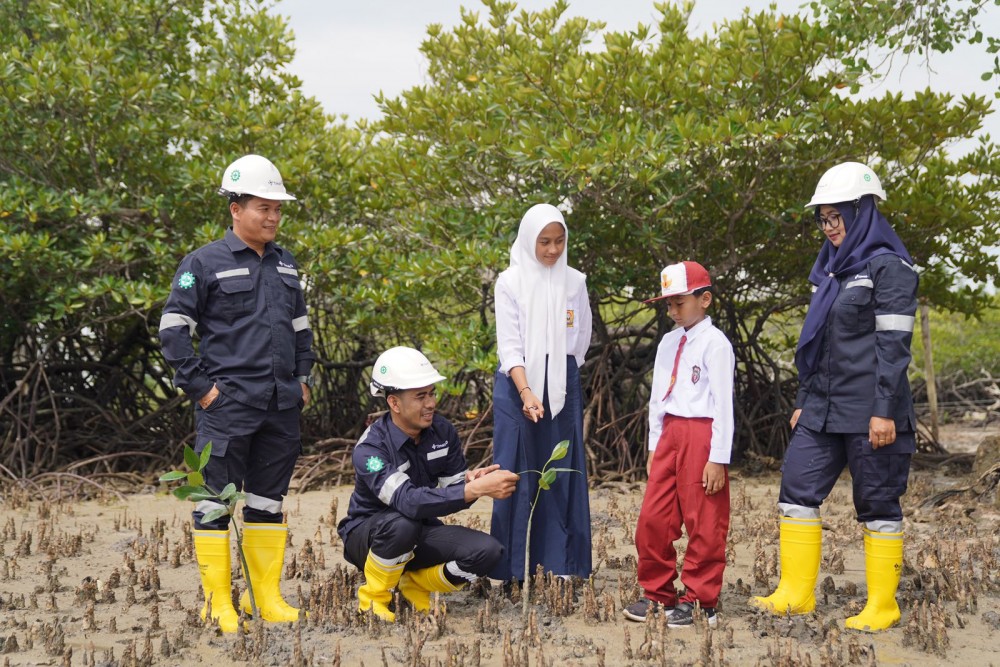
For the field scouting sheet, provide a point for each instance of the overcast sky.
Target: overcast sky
(348, 51)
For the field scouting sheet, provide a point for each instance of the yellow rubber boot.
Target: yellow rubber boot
(801, 545)
(376, 593)
(211, 547)
(417, 586)
(883, 565)
(264, 547)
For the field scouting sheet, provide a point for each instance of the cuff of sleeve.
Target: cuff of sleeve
(303, 368)
(883, 408)
(198, 388)
(719, 457)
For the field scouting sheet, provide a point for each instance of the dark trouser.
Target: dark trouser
(390, 535)
(815, 459)
(674, 497)
(254, 449)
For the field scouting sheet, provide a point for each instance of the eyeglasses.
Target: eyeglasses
(833, 221)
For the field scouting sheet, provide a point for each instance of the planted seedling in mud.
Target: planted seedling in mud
(546, 477)
(195, 489)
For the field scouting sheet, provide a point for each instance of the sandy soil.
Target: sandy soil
(113, 582)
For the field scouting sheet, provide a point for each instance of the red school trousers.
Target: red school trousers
(675, 496)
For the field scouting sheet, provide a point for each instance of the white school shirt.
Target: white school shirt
(511, 326)
(704, 385)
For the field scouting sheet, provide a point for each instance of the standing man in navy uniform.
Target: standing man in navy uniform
(409, 471)
(249, 379)
(854, 406)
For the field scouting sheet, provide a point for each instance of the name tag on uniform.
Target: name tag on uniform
(570, 319)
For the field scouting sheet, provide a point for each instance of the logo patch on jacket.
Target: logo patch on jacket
(374, 464)
(570, 319)
(695, 374)
(186, 281)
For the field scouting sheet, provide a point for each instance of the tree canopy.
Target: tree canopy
(117, 119)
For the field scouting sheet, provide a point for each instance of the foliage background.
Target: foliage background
(118, 118)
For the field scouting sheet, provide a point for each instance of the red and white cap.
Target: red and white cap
(682, 278)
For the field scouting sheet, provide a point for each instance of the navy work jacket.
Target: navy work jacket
(420, 481)
(250, 315)
(865, 353)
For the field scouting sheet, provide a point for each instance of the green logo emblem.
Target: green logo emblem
(374, 464)
(383, 370)
(186, 281)
(235, 176)
(868, 177)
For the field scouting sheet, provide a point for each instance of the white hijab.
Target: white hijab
(541, 293)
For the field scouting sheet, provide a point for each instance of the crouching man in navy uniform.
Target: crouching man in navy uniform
(409, 471)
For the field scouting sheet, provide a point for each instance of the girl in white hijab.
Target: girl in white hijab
(543, 322)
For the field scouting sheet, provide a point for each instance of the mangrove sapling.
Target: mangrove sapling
(195, 489)
(546, 476)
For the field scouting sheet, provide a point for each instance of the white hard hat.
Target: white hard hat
(402, 368)
(254, 175)
(848, 181)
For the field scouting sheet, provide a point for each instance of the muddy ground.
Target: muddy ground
(112, 581)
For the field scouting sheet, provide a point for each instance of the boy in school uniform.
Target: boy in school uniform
(690, 442)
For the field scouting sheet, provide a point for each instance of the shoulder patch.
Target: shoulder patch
(374, 464)
(186, 281)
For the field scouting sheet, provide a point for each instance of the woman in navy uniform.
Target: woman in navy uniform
(543, 321)
(854, 405)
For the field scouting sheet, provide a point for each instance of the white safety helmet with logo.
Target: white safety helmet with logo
(402, 368)
(254, 175)
(848, 181)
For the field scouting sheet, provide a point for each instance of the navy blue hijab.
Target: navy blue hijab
(867, 235)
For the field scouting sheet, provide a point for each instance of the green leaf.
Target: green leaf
(228, 492)
(547, 478)
(205, 454)
(195, 479)
(183, 492)
(563, 470)
(173, 476)
(190, 458)
(214, 514)
(201, 493)
(559, 451)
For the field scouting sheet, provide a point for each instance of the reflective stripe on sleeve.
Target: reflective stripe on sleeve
(168, 320)
(232, 272)
(395, 481)
(453, 479)
(290, 271)
(300, 323)
(894, 323)
(404, 466)
(263, 504)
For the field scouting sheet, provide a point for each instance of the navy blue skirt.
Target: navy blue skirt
(560, 535)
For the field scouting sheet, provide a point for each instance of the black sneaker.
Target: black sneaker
(639, 610)
(683, 615)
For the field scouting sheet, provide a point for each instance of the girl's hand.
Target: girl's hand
(531, 407)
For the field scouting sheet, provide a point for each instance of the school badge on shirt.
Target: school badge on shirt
(695, 374)
(570, 319)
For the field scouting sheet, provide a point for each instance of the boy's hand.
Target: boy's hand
(649, 462)
(713, 478)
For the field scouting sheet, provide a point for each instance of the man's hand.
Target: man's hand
(497, 484)
(209, 398)
(795, 417)
(713, 478)
(649, 462)
(306, 394)
(881, 432)
(479, 472)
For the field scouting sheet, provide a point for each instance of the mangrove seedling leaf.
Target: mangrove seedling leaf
(191, 459)
(559, 451)
(195, 479)
(214, 514)
(228, 492)
(173, 476)
(546, 479)
(182, 492)
(205, 454)
(201, 493)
